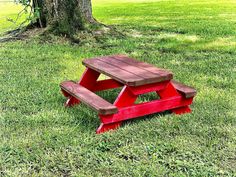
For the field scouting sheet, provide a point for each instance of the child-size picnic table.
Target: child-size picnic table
(136, 78)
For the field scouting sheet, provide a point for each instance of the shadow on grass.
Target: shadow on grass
(145, 118)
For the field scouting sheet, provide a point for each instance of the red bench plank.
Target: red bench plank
(89, 98)
(187, 91)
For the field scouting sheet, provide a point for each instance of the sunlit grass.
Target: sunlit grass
(8, 16)
(193, 39)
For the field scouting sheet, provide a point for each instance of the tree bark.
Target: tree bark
(65, 16)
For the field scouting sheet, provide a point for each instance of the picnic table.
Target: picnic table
(136, 78)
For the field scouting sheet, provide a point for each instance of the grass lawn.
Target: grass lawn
(194, 39)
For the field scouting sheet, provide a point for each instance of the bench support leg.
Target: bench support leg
(88, 80)
(124, 99)
(169, 92)
(182, 110)
(65, 93)
(106, 127)
(71, 101)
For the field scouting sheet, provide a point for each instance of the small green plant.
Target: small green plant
(32, 11)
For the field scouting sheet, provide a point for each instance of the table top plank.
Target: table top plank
(113, 72)
(127, 70)
(145, 66)
(130, 68)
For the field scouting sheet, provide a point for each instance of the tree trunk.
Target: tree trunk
(65, 16)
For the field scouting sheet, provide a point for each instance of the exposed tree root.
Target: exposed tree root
(97, 31)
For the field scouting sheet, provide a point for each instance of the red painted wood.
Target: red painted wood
(107, 127)
(127, 70)
(88, 97)
(145, 66)
(142, 109)
(71, 101)
(106, 84)
(149, 88)
(145, 74)
(182, 110)
(89, 78)
(137, 78)
(168, 92)
(185, 90)
(125, 98)
(65, 93)
(122, 76)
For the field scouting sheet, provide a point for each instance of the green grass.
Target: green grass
(196, 40)
(8, 16)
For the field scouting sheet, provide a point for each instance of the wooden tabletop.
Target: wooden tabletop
(128, 70)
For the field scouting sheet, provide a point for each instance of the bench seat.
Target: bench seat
(185, 90)
(88, 97)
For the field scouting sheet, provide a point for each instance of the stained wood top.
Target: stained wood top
(128, 70)
(89, 98)
(185, 90)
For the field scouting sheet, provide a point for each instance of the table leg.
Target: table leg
(124, 99)
(169, 92)
(89, 78)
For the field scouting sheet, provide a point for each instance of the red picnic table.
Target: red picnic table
(136, 78)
